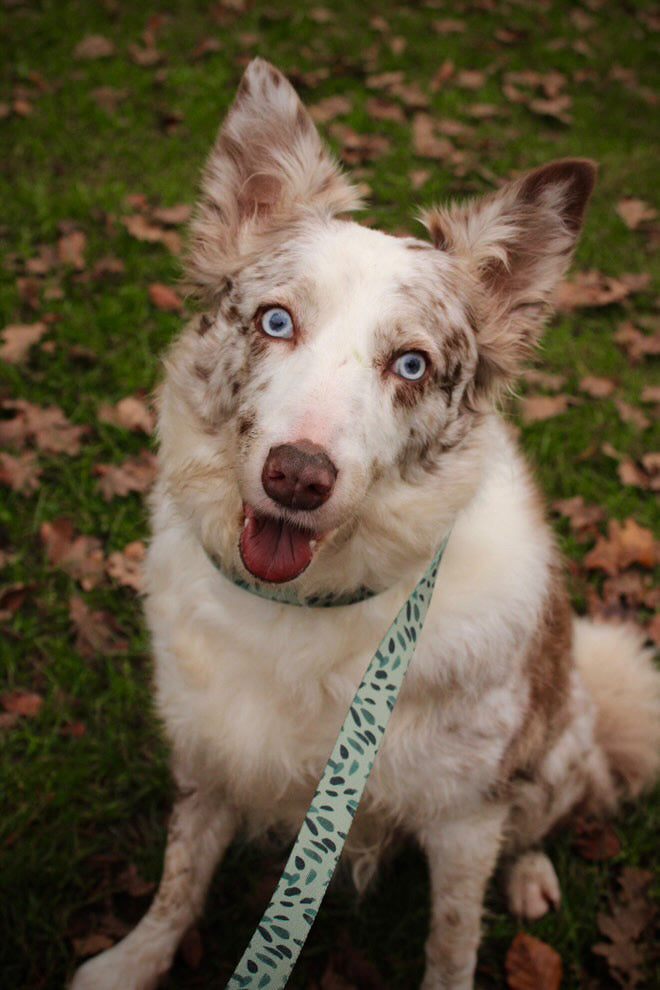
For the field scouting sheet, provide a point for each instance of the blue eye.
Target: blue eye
(411, 366)
(277, 322)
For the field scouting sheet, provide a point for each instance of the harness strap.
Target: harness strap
(286, 922)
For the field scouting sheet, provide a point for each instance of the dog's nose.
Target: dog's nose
(299, 475)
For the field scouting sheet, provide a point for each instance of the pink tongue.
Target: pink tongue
(274, 550)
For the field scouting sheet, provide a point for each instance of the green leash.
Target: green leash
(286, 922)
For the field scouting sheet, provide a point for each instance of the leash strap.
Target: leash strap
(286, 922)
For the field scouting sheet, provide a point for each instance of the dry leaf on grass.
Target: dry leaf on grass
(96, 631)
(130, 413)
(594, 840)
(544, 379)
(537, 408)
(425, 142)
(71, 249)
(636, 344)
(592, 288)
(597, 388)
(80, 556)
(17, 340)
(172, 216)
(21, 473)
(165, 298)
(135, 474)
(143, 229)
(26, 703)
(583, 518)
(630, 915)
(46, 426)
(632, 415)
(94, 46)
(635, 212)
(126, 566)
(329, 108)
(532, 965)
(626, 544)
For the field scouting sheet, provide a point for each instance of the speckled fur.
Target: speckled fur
(497, 734)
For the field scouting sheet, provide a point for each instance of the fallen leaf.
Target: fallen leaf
(144, 230)
(631, 415)
(637, 345)
(20, 473)
(592, 288)
(204, 47)
(74, 729)
(580, 516)
(329, 108)
(46, 426)
(26, 703)
(357, 149)
(131, 413)
(108, 97)
(379, 109)
(595, 841)
(651, 393)
(172, 215)
(79, 555)
(449, 26)
(135, 474)
(630, 915)
(625, 545)
(130, 882)
(18, 338)
(126, 566)
(425, 142)
(544, 379)
(96, 631)
(597, 388)
(635, 212)
(12, 597)
(71, 249)
(94, 46)
(537, 408)
(165, 298)
(532, 965)
(90, 945)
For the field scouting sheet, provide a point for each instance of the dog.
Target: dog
(326, 420)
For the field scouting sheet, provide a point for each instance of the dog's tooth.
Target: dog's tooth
(313, 544)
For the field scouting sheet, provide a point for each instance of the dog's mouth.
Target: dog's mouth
(273, 549)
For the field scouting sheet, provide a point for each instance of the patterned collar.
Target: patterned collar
(287, 596)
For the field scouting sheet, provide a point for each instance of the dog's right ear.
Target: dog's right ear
(267, 162)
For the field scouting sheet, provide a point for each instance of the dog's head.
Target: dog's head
(335, 363)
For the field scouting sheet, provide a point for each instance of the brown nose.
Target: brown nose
(299, 475)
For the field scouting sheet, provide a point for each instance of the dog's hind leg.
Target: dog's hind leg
(461, 856)
(200, 830)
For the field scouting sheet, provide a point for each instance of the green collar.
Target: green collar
(287, 596)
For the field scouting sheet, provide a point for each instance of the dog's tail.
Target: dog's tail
(625, 685)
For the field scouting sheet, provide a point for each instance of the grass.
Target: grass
(77, 809)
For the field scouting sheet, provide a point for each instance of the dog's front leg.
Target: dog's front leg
(461, 856)
(199, 832)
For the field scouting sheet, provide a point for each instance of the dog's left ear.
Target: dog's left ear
(268, 162)
(518, 243)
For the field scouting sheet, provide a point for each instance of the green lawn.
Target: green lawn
(88, 143)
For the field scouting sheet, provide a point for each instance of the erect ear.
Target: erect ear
(518, 243)
(267, 161)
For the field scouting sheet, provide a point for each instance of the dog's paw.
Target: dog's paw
(532, 886)
(112, 970)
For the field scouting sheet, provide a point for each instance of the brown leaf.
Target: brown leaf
(651, 393)
(536, 408)
(21, 473)
(130, 413)
(637, 345)
(135, 474)
(449, 26)
(595, 841)
(330, 107)
(46, 426)
(172, 215)
(71, 249)
(597, 388)
(425, 143)
(18, 339)
(12, 597)
(556, 108)
(126, 566)
(631, 415)
(109, 98)
(80, 556)
(359, 148)
(90, 945)
(592, 288)
(626, 545)
(532, 965)
(144, 230)
(543, 379)
(630, 915)
(165, 298)
(94, 46)
(581, 517)
(130, 882)
(26, 703)
(635, 212)
(96, 631)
